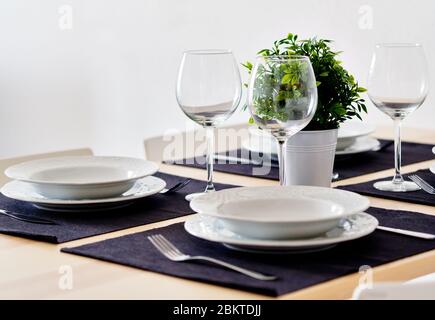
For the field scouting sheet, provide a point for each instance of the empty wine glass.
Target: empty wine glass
(208, 92)
(282, 98)
(398, 84)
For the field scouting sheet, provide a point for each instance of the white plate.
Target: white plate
(349, 131)
(79, 177)
(432, 168)
(280, 212)
(144, 187)
(211, 229)
(260, 141)
(362, 144)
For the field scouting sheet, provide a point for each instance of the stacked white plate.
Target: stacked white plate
(280, 219)
(432, 167)
(353, 137)
(82, 182)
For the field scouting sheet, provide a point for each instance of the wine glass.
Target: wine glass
(282, 98)
(208, 92)
(398, 84)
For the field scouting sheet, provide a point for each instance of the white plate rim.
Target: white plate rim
(432, 168)
(257, 220)
(371, 143)
(206, 202)
(7, 191)
(297, 243)
(16, 171)
(364, 129)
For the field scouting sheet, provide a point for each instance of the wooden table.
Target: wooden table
(33, 270)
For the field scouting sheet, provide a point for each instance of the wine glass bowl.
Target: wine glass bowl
(208, 91)
(398, 84)
(282, 97)
(208, 86)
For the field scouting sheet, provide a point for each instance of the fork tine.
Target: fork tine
(165, 247)
(418, 182)
(415, 179)
(422, 184)
(157, 246)
(170, 245)
(412, 177)
(428, 185)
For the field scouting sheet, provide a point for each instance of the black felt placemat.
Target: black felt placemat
(72, 226)
(419, 196)
(295, 271)
(347, 166)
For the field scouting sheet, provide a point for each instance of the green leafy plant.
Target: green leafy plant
(338, 93)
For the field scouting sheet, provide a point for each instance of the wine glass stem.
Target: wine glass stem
(397, 151)
(210, 158)
(281, 159)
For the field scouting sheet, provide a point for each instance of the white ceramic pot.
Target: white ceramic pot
(310, 158)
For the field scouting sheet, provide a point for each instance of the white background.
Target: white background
(108, 82)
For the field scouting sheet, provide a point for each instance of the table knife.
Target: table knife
(25, 218)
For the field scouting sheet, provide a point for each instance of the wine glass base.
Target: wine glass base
(404, 186)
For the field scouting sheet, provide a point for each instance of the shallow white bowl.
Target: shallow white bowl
(286, 218)
(82, 177)
(280, 212)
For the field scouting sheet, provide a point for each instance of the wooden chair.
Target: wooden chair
(5, 163)
(179, 145)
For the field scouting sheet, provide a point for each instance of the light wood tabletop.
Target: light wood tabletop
(36, 270)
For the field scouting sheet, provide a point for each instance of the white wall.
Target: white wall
(109, 81)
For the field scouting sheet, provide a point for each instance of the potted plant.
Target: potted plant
(310, 153)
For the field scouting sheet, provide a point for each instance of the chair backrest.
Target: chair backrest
(5, 163)
(179, 145)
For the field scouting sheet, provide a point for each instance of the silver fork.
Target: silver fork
(172, 253)
(422, 184)
(176, 187)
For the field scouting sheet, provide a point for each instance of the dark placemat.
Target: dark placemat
(73, 226)
(347, 166)
(294, 271)
(420, 196)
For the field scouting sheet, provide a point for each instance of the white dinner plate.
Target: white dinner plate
(351, 130)
(78, 177)
(362, 144)
(277, 212)
(432, 168)
(260, 141)
(22, 191)
(211, 229)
